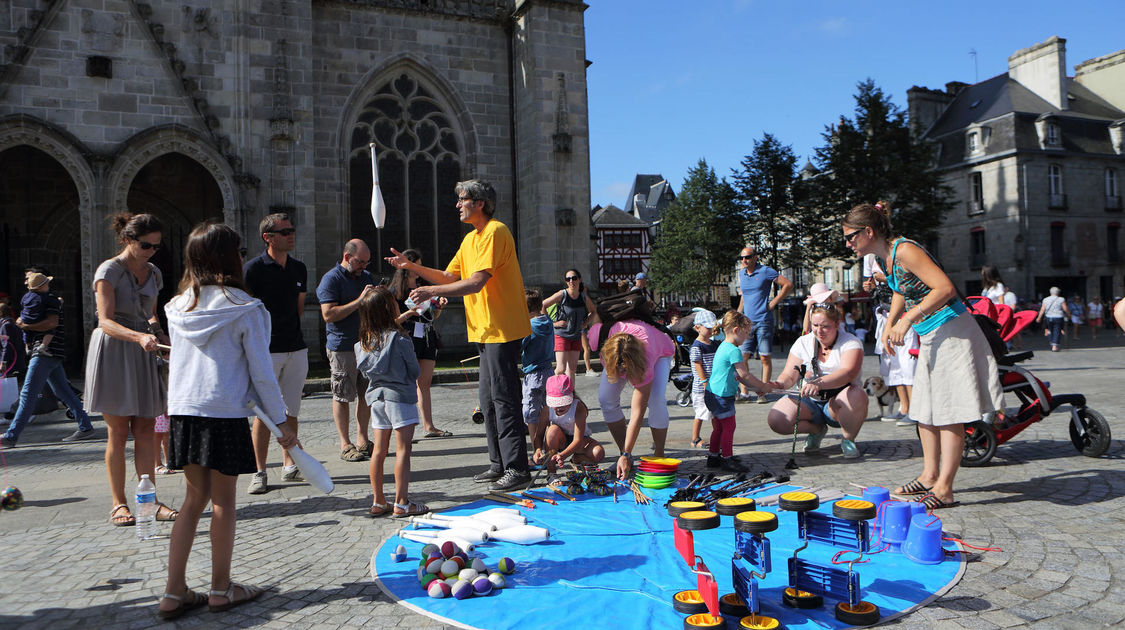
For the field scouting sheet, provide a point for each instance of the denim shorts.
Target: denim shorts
(719, 406)
(821, 412)
(761, 338)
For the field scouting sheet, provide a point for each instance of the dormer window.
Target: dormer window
(1053, 137)
(974, 142)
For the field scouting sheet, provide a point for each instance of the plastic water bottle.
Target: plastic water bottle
(146, 509)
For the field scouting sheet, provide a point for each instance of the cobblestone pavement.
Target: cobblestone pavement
(1058, 517)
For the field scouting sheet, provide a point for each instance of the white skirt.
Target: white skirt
(956, 380)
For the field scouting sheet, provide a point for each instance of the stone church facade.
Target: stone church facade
(233, 109)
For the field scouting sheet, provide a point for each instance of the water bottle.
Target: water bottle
(146, 509)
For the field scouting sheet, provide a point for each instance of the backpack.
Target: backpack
(632, 304)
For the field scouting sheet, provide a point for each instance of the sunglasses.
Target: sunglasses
(283, 231)
(850, 236)
(147, 246)
(751, 257)
(572, 278)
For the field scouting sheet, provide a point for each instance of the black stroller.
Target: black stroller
(683, 333)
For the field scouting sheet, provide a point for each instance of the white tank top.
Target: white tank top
(566, 421)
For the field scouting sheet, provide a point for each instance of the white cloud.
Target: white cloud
(834, 26)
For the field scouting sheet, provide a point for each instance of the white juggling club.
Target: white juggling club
(378, 208)
(312, 469)
(469, 523)
(436, 538)
(521, 534)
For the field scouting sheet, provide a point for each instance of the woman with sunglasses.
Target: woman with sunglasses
(575, 309)
(122, 381)
(956, 380)
(831, 394)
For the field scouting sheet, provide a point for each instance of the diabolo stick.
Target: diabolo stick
(792, 463)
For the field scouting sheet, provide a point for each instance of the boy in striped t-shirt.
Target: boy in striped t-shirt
(701, 355)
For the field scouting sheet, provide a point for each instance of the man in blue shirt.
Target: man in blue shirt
(755, 281)
(339, 293)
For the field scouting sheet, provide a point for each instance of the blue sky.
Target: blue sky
(675, 81)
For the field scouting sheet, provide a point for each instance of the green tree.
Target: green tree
(870, 157)
(771, 195)
(699, 236)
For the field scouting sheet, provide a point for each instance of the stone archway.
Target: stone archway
(34, 150)
(39, 214)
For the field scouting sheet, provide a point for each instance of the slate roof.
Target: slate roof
(1011, 109)
(653, 189)
(613, 217)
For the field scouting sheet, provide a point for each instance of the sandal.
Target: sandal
(366, 451)
(932, 502)
(914, 487)
(168, 515)
(121, 520)
(378, 509)
(190, 600)
(164, 470)
(697, 443)
(352, 454)
(410, 509)
(437, 433)
(251, 593)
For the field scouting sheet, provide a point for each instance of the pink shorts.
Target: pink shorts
(162, 423)
(568, 345)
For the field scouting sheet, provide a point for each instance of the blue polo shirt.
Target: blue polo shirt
(755, 287)
(340, 287)
(279, 289)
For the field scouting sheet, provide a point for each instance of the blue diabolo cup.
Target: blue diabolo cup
(923, 542)
(896, 524)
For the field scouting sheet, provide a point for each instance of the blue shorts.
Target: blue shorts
(761, 338)
(821, 412)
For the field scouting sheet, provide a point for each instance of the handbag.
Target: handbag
(9, 394)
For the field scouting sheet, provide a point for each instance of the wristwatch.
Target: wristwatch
(626, 454)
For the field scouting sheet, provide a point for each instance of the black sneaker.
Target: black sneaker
(511, 480)
(731, 464)
(488, 475)
(714, 461)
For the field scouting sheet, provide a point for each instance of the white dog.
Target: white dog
(885, 396)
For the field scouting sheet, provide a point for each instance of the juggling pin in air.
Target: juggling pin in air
(435, 537)
(468, 523)
(521, 534)
(312, 469)
(378, 208)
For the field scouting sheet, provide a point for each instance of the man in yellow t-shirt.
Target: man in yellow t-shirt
(486, 273)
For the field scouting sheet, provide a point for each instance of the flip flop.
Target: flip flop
(190, 600)
(914, 487)
(438, 433)
(932, 502)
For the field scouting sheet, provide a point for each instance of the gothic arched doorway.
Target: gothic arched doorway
(181, 193)
(39, 225)
(419, 152)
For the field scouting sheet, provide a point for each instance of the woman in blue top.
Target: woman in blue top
(956, 380)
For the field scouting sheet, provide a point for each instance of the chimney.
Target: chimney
(1042, 69)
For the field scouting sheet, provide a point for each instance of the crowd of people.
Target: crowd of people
(234, 348)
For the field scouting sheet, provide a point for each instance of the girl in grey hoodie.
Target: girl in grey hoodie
(385, 357)
(219, 366)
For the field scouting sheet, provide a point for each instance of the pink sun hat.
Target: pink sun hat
(819, 293)
(560, 391)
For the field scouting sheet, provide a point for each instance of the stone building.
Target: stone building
(236, 108)
(1035, 159)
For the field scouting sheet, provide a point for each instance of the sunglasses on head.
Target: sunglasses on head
(283, 231)
(147, 246)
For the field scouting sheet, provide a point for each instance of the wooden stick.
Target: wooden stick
(163, 347)
(464, 361)
(507, 497)
(561, 493)
(500, 499)
(857, 485)
(539, 498)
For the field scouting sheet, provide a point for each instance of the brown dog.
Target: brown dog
(887, 397)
